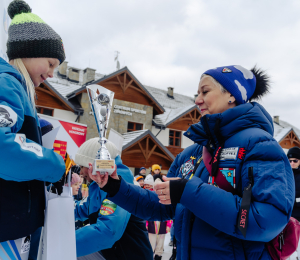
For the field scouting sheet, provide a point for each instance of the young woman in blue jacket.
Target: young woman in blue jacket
(239, 135)
(34, 50)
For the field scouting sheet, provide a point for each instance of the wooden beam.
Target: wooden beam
(137, 89)
(111, 83)
(142, 150)
(45, 91)
(132, 151)
(163, 156)
(124, 82)
(128, 84)
(120, 82)
(152, 150)
(147, 148)
(184, 119)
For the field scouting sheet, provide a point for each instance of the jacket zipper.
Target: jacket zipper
(29, 197)
(211, 141)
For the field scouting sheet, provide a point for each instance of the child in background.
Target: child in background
(75, 183)
(140, 180)
(156, 172)
(149, 182)
(156, 230)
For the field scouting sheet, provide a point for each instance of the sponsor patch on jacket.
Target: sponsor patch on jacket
(8, 117)
(229, 174)
(107, 207)
(229, 153)
(187, 168)
(31, 147)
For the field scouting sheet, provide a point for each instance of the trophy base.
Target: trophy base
(104, 166)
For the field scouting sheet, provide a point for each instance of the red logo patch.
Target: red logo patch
(242, 153)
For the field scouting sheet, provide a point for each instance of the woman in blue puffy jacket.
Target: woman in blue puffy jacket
(239, 136)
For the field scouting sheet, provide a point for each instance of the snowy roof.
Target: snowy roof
(65, 86)
(178, 101)
(173, 107)
(132, 137)
(171, 115)
(282, 129)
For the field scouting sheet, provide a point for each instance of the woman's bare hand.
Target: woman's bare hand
(162, 189)
(101, 179)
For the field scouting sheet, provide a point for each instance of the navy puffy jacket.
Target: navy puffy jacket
(248, 132)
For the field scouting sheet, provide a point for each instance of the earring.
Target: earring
(229, 101)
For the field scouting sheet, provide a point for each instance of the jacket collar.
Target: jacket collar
(249, 115)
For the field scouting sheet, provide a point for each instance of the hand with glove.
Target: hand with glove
(57, 187)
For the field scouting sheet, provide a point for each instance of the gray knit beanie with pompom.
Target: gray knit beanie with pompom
(87, 152)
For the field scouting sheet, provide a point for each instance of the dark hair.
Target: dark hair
(262, 83)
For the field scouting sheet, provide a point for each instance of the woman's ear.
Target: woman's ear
(231, 99)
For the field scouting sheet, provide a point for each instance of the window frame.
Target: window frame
(134, 126)
(42, 110)
(174, 138)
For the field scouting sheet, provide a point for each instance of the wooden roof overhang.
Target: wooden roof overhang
(186, 120)
(126, 88)
(290, 140)
(47, 96)
(145, 151)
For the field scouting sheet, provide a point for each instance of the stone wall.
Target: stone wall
(117, 121)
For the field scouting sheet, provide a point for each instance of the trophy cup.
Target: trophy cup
(101, 100)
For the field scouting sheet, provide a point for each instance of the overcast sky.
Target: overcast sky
(171, 42)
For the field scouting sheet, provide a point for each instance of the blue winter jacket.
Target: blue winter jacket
(247, 130)
(25, 164)
(108, 221)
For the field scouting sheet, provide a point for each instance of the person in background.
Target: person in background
(172, 234)
(294, 159)
(149, 182)
(75, 183)
(156, 172)
(157, 231)
(76, 169)
(114, 231)
(143, 171)
(140, 180)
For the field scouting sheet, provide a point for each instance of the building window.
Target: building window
(175, 138)
(45, 111)
(134, 127)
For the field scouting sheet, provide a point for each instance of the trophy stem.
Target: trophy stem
(103, 153)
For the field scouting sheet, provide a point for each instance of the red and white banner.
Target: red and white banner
(72, 133)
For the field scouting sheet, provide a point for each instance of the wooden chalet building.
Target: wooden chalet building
(151, 120)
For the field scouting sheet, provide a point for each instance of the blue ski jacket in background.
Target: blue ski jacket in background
(248, 134)
(108, 221)
(25, 164)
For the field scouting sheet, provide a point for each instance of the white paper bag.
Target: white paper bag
(58, 237)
